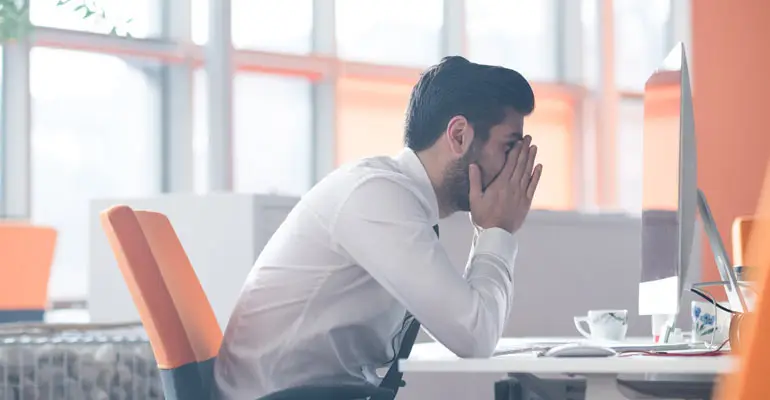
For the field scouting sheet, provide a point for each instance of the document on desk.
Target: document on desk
(538, 348)
(658, 347)
(523, 348)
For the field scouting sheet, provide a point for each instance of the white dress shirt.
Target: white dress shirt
(327, 296)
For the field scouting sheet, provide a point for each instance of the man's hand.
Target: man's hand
(506, 202)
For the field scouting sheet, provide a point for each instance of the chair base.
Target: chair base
(193, 381)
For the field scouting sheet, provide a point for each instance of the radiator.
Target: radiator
(78, 362)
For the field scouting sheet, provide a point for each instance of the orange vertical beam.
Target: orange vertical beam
(730, 89)
(749, 380)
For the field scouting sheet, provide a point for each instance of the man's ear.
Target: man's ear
(459, 134)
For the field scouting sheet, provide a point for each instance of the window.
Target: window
(269, 25)
(199, 13)
(403, 32)
(518, 34)
(283, 26)
(641, 40)
(144, 16)
(370, 118)
(200, 132)
(589, 19)
(94, 135)
(272, 143)
(552, 126)
(630, 153)
(272, 134)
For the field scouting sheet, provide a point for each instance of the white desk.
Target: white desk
(600, 373)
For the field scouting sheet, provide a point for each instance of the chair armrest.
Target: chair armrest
(331, 392)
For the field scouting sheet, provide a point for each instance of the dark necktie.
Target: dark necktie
(392, 379)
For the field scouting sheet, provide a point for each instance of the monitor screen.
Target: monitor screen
(660, 187)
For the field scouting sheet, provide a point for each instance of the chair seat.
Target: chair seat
(331, 392)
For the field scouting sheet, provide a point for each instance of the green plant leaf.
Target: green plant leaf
(15, 24)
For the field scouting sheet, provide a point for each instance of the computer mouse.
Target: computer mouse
(579, 350)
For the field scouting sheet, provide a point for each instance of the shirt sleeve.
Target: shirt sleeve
(476, 232)
(384, 227)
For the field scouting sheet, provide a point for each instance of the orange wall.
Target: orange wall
(731, 89)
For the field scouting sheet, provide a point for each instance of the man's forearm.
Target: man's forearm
(474, 239)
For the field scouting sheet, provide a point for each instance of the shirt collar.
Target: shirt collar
(411, 165)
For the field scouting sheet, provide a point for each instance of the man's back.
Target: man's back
(308, 312)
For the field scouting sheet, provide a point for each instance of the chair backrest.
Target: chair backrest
(26, 256)
(740, 236)
(174, 310)
(749, 381)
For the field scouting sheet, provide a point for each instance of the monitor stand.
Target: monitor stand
(729, 280)
(725, 267)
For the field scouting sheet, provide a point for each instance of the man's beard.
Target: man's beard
(457, 183)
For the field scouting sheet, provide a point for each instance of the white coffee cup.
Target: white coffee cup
(609, 325)
(707, 326)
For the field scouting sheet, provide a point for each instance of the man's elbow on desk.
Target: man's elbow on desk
(473, 347)
(478, 352)
(469, 337)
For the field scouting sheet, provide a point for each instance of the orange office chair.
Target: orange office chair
(741, 230)
(174, 310)
(181, 326)
(26, 255)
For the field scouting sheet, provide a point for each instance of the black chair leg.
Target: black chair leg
(507, 389)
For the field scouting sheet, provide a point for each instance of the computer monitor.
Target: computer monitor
(669, 186)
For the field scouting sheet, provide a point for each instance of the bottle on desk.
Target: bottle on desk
(660, 323)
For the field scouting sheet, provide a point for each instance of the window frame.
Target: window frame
(595, 185)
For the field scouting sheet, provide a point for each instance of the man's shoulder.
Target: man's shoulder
(363, 177)
(382, 174)
(372, 165)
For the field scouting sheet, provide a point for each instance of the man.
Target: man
(327, 298)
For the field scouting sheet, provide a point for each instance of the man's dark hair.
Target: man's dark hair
(456, 86)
